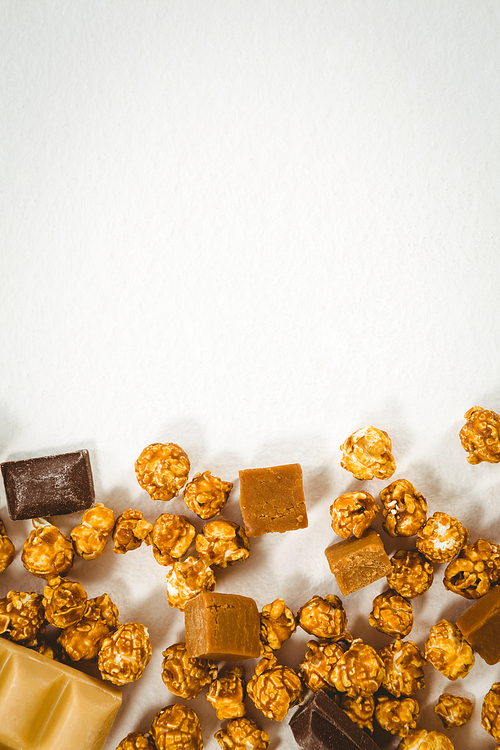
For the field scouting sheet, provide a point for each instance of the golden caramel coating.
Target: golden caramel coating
(360, 710)
(7, 549)
(453, 710)
(323, 617)
(226, 693)
(222, 543)
(475, 570)
(442, 538)
(315, 669)
(131, 529)
(176, 727)
(353, 513)
(404, 668)
(404, 509)
(242, 734)
(391, 614)
(277, 623)
(397, 715)
(50, 650)
(170, 537)
(185, 676)
(136, 741)
(162, 470)
(411, 574)
(91, 535)
(448, 651)
(206, 495)
(274, 688)
(64, 601)
(84, 639)
(125, 654)
(22, 617)
(490, 711)
(480, 435)
(424, 740)
(46, 552)
(367, 454)
(359, 671)
(186, 579)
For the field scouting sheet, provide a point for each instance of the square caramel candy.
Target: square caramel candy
(272, 499)
(356, 563)
(222, 627)
(480, 626)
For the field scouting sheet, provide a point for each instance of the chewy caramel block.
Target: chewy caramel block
(45, 705)
(222, 627)
(358, 562)
(272, 499)
(480, 626)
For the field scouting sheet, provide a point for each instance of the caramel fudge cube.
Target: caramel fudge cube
(358, 562)
(222, 627)
(272, 499)
(480, 626)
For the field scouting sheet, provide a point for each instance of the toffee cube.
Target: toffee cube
(480, 626)
(356, 563)
(272, 499)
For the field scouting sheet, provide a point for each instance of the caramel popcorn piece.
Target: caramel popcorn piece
(91, 535)
(359, 671)
(367, 454)
(411, 574)
(315, 670)
(448, 651)
(22, 617)
(490, 711)
(206, 495)
(185, 676)
(360, 710)
(7, 549)
(480, 435)
(84, 639)
(475, 570)
(453, 710)
(136, 741)
(272, 499)
(391, 614)
(442, 538)
(404, 509)
(324, 617)
(162, 470)
(222, 543)
(64, 601)
(353, 513)
(397, 715)
(424, 740)
(274, 688)
(242, 734)
(356, 563)
(404, 668)
(480, 626)
(125, 654)
(186, 579)
(131, 529)
(277, 623)
(176, 727)
(170, 537)
(226, 693)
(46, 552)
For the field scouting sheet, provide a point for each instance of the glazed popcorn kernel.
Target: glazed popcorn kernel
(404, 509)
(475, 570)
(7, 549)
(274, 688)
(490, 711)
(162, 470)
(323, 617)
(448, 651)
(176, 727)
(242, 734)
(404, 668)
(84, 639)
(91, 535)
(64, 601)
(353, 513)
(125, 654)
(367, 454)
(453, 710)
(359, 671)
(222, 543)
(391, 614)
(226, 693)
(186, 579)
(442, 538)
(480, 435)
(424, 740)
(315, 670)
(131, 529)
(185, 676)
(22, 617)
(397, 715)
(136, 741)
(206, 495)
(360, 710)
(170, 538)
(46, 552)
(277, 623)
(411, 574)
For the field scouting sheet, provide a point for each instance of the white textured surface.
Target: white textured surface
(251, 228)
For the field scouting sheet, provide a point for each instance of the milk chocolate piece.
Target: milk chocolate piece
(45, 705)
(319, 724)
(480, 626)
(222, 627)
(358, 562)
(49, 486)
(272, 499)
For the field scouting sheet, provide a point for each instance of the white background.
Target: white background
(251, 228)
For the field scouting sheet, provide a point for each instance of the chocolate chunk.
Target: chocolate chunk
(49, 486)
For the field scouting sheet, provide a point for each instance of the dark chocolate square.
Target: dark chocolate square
(48, 486)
